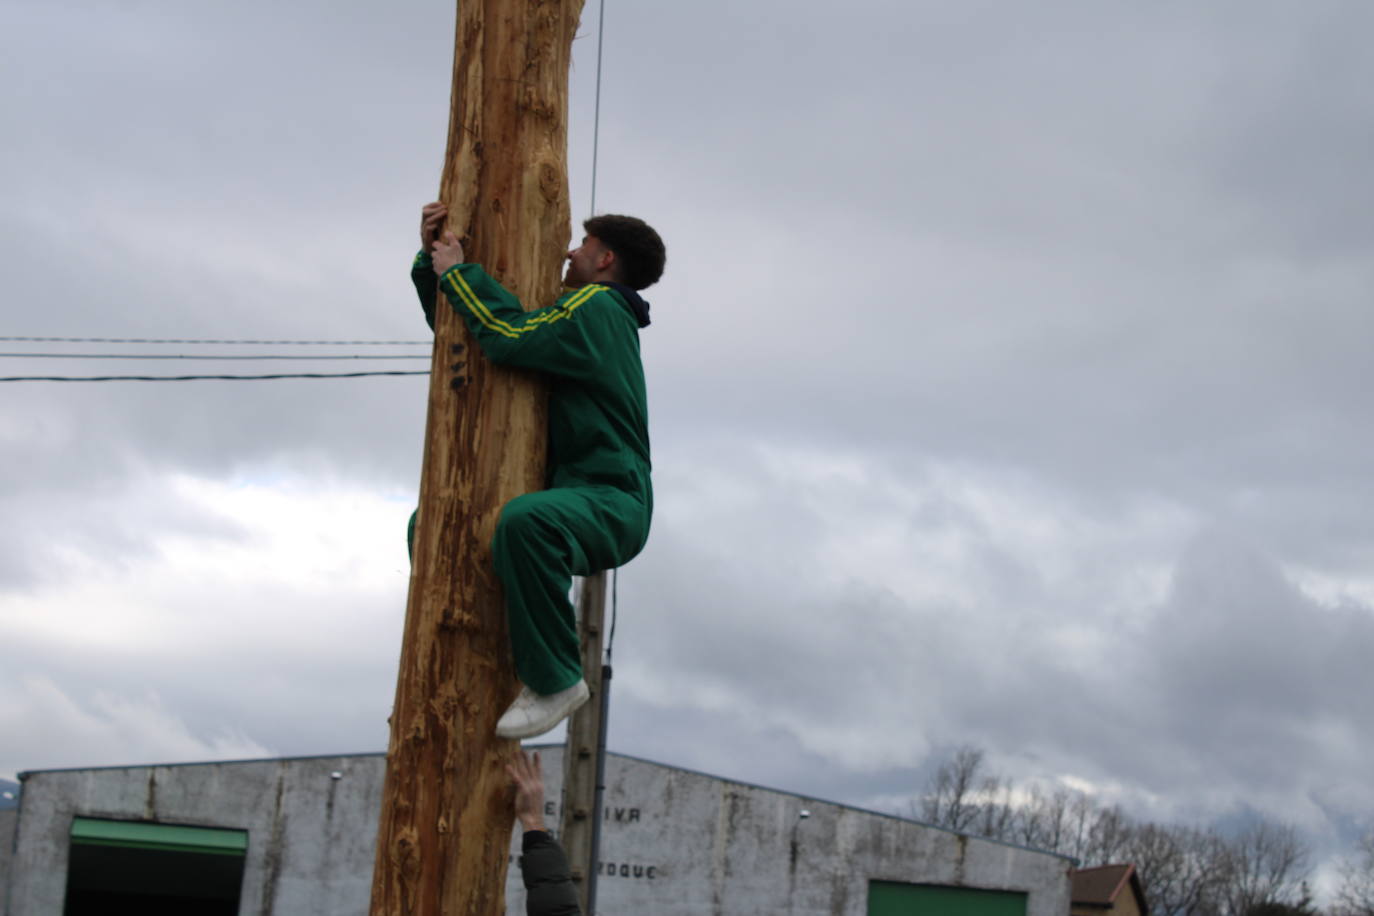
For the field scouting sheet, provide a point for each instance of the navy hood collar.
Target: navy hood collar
(634, 301)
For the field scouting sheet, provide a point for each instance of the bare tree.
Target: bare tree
(1179, 867)
(1302, 908)
(1355, 896)
(949, 800)
(1266, 863)
(1108, 835)
(1187, 871)
(1042, 822)
(996, 814)
(1079, 817)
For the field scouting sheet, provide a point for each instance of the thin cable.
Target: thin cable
(198, 356)
(610, 636)
(159, 340)
(596, 118)
(596, 151)
(182, 356)
(194, 378)
(605, 697)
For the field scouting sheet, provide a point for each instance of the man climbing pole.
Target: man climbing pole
(595, 512)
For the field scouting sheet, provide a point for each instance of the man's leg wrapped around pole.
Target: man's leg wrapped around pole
(542, 540)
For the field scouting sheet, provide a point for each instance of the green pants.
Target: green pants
(542, 540)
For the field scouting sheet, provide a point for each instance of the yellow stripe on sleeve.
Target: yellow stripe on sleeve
(475, 305)
(459, 284)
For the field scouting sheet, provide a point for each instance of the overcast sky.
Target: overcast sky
(1009, 386)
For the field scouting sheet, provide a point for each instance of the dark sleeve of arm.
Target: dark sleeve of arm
(548, 880)
(564, 339)
(426, 285)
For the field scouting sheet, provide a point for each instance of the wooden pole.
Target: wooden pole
(446, 818)
(583, 753)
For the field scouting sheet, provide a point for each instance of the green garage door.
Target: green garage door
(888, 898)
(119, 867)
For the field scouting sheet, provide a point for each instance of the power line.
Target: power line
(193, 378)
(202, 356)
(596, 117)
(160, 340)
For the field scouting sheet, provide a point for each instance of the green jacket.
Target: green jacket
(587, 345)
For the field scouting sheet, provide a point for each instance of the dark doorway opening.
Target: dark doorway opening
(119, 868)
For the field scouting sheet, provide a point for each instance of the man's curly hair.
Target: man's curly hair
(639, 252)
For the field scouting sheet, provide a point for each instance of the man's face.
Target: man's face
(586, 261)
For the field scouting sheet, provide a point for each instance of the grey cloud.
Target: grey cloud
(1105, 264)
(1259, 665)
(1214, 688)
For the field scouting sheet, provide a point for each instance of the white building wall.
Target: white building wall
(674, 842)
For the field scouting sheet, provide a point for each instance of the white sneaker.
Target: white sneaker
(532, 714)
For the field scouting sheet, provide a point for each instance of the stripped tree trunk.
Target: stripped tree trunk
(446, 805)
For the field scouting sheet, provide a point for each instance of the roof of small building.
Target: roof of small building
(1101, 886)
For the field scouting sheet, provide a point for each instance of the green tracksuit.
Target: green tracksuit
(595, 513)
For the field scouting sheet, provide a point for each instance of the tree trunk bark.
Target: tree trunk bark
(446, 815)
